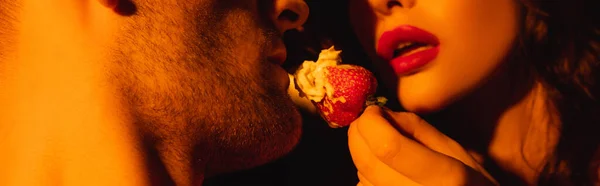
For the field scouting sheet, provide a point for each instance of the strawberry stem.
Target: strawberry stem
(372, 100)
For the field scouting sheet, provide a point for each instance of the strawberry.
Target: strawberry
(340, 92)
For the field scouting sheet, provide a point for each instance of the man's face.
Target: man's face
(202, 79)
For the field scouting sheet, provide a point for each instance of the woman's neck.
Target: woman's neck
(507, 124)
(524, 136)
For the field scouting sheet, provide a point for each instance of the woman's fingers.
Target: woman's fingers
(413, 126)
(404, 155)
(370, 169)
(363, 181)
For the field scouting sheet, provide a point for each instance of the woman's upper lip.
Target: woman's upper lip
(389, 40)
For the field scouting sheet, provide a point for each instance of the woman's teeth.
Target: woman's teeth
(403, 45)
(408, 48)
(418, 50)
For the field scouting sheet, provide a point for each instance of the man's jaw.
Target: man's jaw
(168, 167)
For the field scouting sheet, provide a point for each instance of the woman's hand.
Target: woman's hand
(399, 148)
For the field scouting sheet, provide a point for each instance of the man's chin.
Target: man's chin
(277, 143)
(281, 146)
(251, 163)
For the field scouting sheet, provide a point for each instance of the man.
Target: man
(143, 92)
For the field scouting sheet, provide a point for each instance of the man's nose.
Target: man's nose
(289, 14)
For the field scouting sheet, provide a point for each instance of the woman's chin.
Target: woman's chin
(421, 109)
(424, 104)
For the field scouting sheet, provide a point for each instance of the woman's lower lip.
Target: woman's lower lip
(406, 64)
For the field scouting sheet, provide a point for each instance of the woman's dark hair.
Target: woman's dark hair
(560, 40)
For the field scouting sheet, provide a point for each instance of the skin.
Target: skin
(144, 92)
(512, 132)
(469, 51)
(425, 156)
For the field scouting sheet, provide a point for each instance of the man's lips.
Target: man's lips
(407, 48)
(278, 58)
(278, 52)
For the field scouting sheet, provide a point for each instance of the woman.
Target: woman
(511, 86)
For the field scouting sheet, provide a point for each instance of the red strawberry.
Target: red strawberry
(352, 87)
(340, 92)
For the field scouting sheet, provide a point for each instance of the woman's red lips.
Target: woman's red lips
(407, 48)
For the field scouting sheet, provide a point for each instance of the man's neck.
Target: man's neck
(59, 128)
(60, 122)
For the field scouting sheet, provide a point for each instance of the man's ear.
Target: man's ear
(109, 3)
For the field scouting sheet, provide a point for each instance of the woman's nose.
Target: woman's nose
(385, 6)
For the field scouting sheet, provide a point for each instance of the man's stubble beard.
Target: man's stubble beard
(205, 91)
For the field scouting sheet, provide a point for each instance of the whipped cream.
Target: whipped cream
(311, 76)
